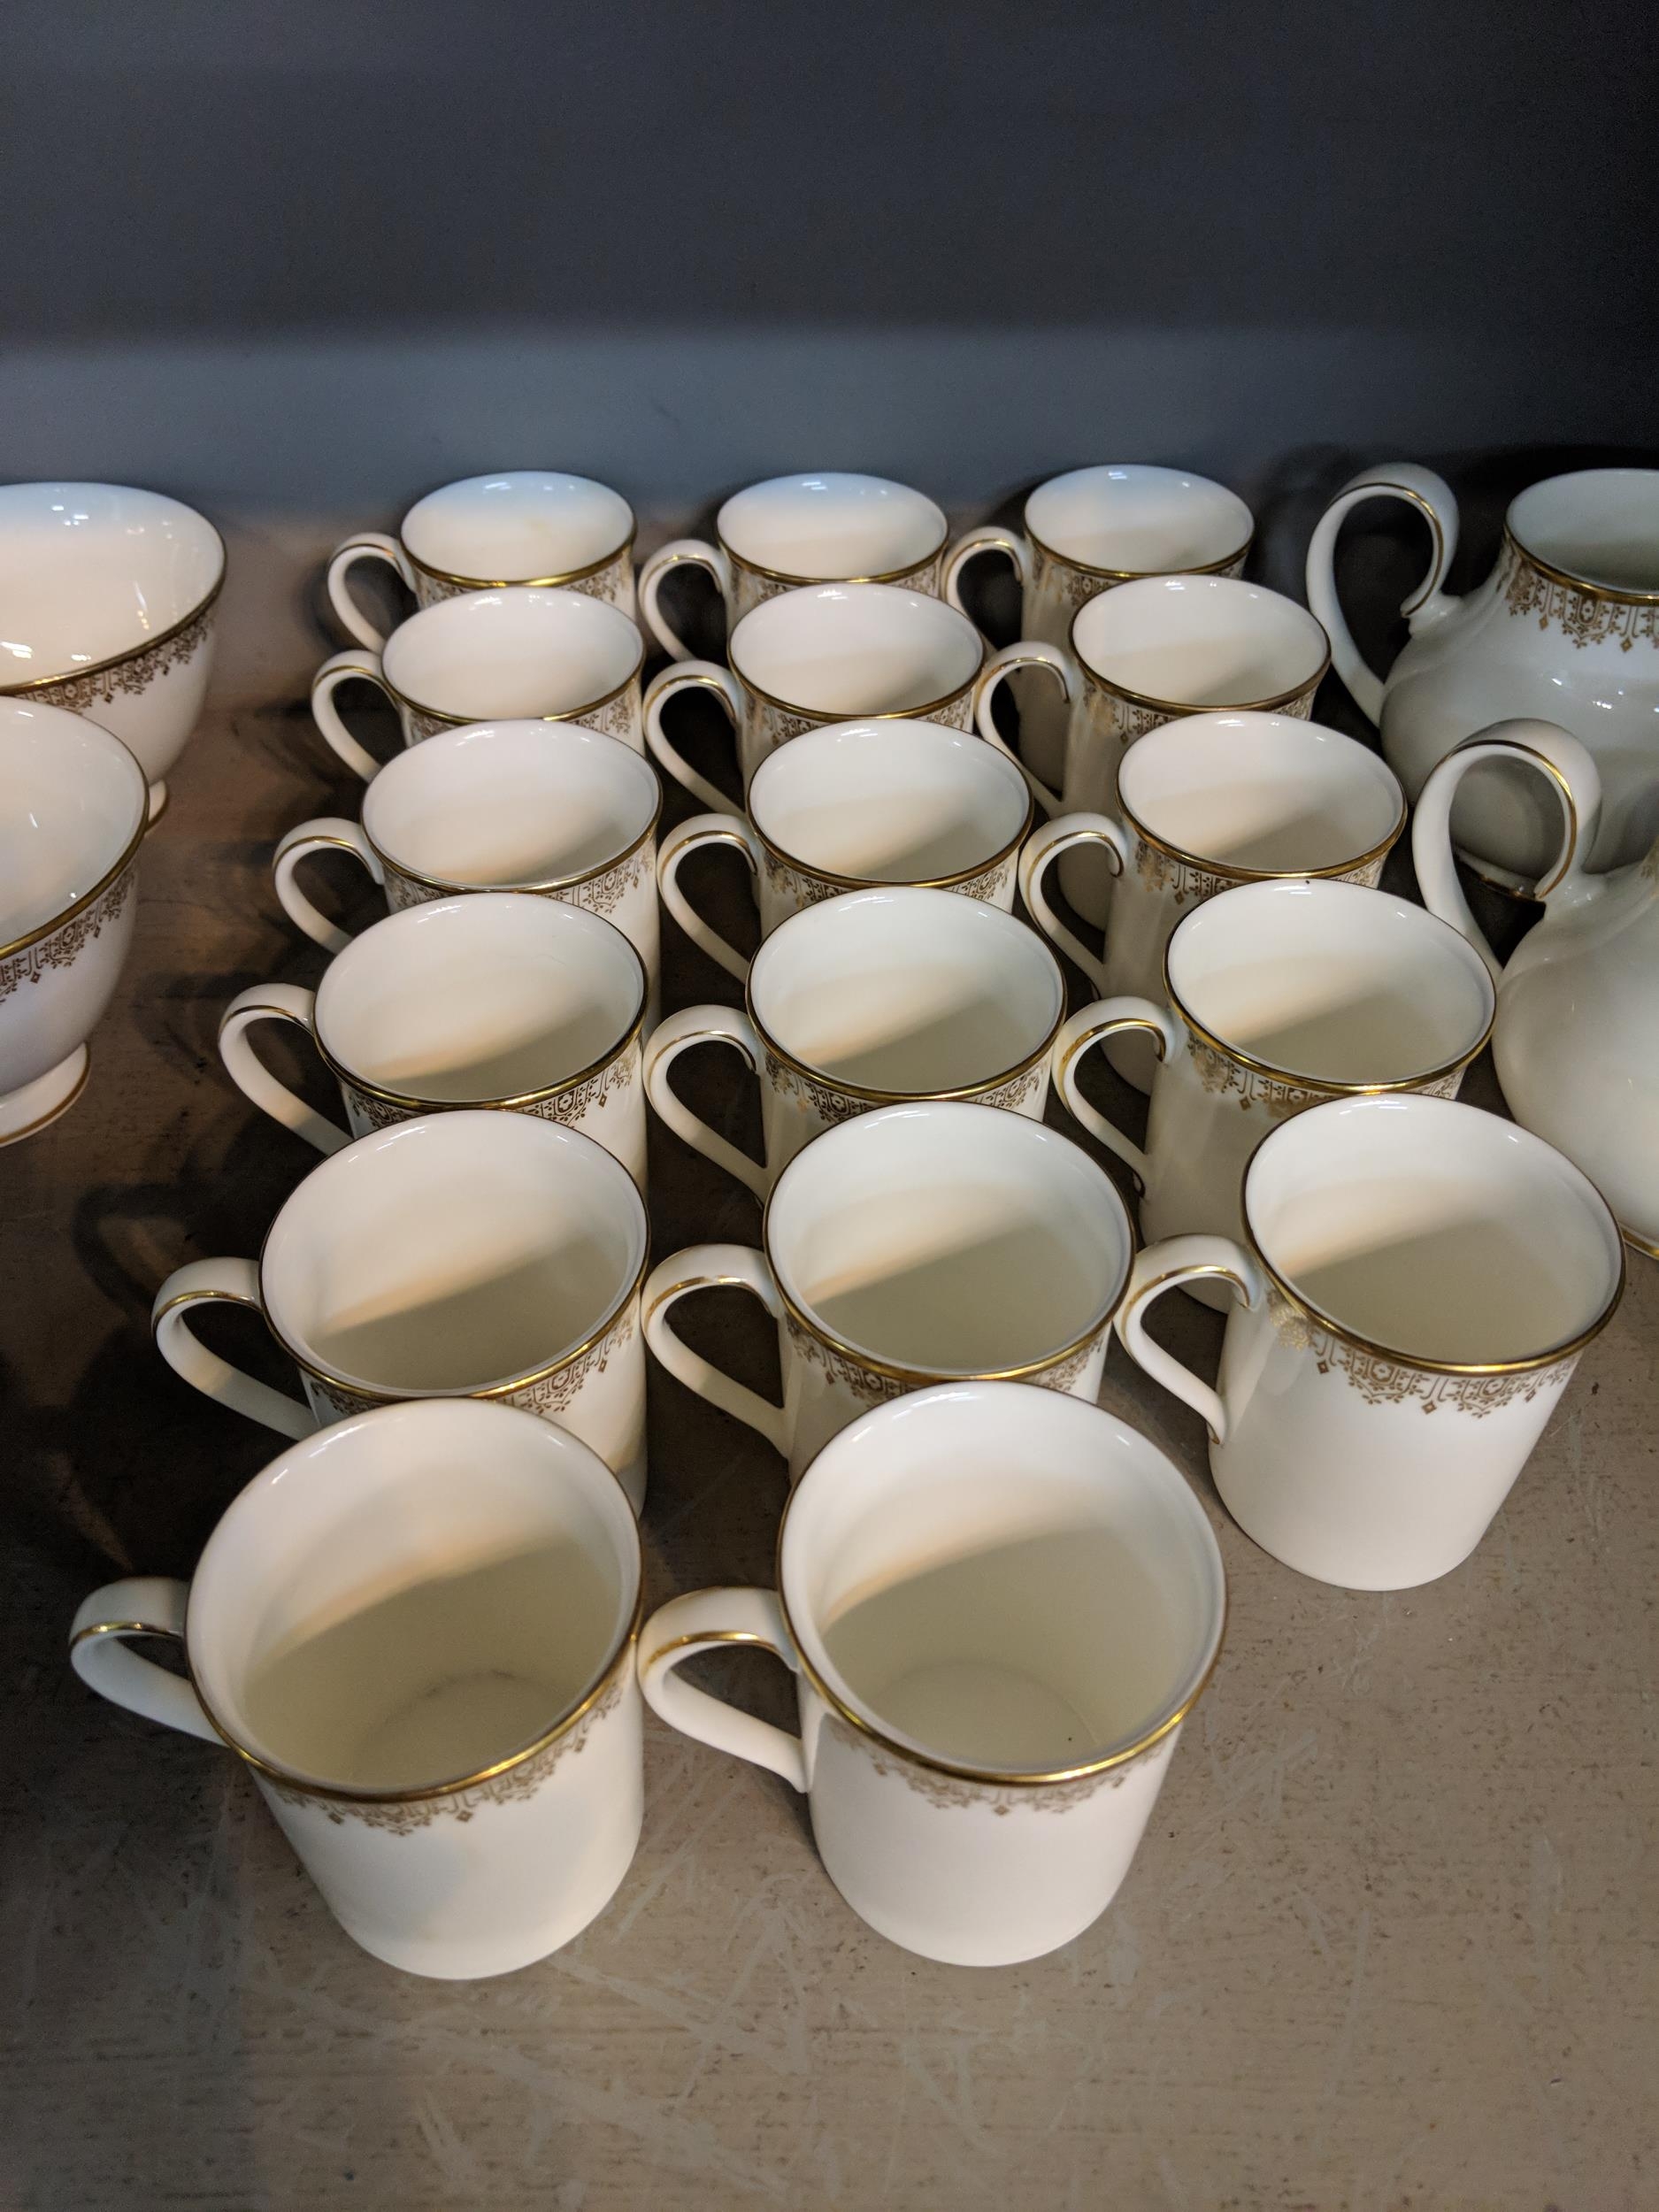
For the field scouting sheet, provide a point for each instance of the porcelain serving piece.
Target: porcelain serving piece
(522, 654)
(497, 1000)
(832, 527)
(867, 999)
(460, 1254)
(1576, 1042)
(922, 1243)
(73, 811)
(431, 1682)
(517, 526)
(1415, 1284)
(854, 805)
(1000, 1605)
(110, 595)
(1565, 627)
(833, 653)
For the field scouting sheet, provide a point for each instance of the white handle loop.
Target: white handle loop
(1160, 1268)
(366, 545)
(703, 830)
(704, 1025)
(1108, 1018)
(1041, 850)
(1434, 500)
(232, 1282)
(712, 1620)
(1566, 764)
(989, 539)
(1059, 665)
(663, 687)
(700, 554)
(359, 664)
(143, 1605)
(327, 833)
(277, 1002)
(707, 1267)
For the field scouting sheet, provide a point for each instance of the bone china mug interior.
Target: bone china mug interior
(834, 653)
(430, 1679)
(1000, 1605)
(793, 530)
(864, 1000)
(461, 1254)
(109, 594)
(519, 526)
(919, 1244)
(498, 1000)
(1278, 996)
(856, 804)
(73, 811)
(527, 653)
(1203, 804)
(1416, 1284)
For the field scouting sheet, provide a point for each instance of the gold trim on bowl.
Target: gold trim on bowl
(131, 652)
(112, 875)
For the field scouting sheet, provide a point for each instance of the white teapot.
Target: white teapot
(1576, 1038)
(1566, 625)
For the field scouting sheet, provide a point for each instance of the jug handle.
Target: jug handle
(1539, 745)
(1435, 500)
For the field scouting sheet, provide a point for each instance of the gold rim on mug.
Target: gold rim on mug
(1177, 707)
(787, 576)
(461, 721)
(551, 883)
(1134, 575)
(129, 853)
(1583, 584)
(512, 583)
(1237, 874)
(129, 652)
(874, 714)
(906, 883)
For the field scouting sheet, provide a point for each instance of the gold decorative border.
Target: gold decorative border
(1382, 1379)
(956, 1792)
(873, 1382)
(125, 671)
(450, 585)
(1586, 614)
(1224, 1074)
(569, 1106)
(59, 942)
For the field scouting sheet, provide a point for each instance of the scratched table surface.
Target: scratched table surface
(1389, 1941)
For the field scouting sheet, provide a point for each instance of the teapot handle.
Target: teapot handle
(1433, 496)
(1539, 745)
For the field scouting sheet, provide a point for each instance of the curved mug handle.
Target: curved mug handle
(1027, 653)
(357, 662)
(1045, 846)
(1108, 1018)
(706, 1620)
(1568, 764)
(281, 1002)
(1434, 499)
(704, 1025)
(990, 538)
(142, 1605)
(236, 1283)
(683, 677)
(700, 554)
(1160, 1268)
(705, 830)
(363, 545)
(705, 1267)
(328, 831)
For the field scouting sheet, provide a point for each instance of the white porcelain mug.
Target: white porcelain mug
(856, 804)
(495, 1001)
(461, 1254)
(1417, 1282)
(524, 653)
(867, 999)
(832, 527)
(1205, 803)
(542, 806)
(834, 653)
(1000, 1606)
(1278, 996)
(919, 1244)
(1087, 531)
(73, 811)
(109, 594)
(431, 1680)
(517, 526)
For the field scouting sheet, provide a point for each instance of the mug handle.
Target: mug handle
(706, 1267)
(1027, 653)
(314, 837)
(1160, 1268)
(277, 1002)
(358, 662)
(1045, 846)
(701, 1024)
(365, 545)
(991, 538)
(1108, 1017)
(705, 829)
(662, 688)
(143, 1605)
(708, 1620)
(1568, 764)
(1435, 500)
(235, 1283)
(700, 554)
